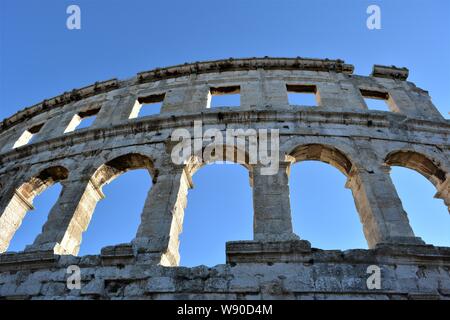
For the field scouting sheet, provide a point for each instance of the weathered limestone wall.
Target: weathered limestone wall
(254, 270)
(340, 131)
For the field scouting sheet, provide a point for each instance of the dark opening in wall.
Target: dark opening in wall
(302, 95)
(28, 136)
(147, 106)
(376, 100)
(224, 97)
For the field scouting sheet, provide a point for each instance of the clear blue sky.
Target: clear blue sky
(41, 58)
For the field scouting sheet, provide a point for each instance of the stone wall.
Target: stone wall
(340, 130)
(254, 270)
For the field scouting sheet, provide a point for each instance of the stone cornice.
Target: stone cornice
(156, 74)
(368, 120)
(67, 97)
(231, 64)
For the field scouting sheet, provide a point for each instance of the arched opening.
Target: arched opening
(418, 162)
(117, 217)
(219, 206)
(219, 210)
(32, 223)
(125, 182)
(323, 210)
(25, 198)
(422, 200)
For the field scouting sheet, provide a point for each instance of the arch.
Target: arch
(42, 181)
(419, 162)
(377, 204)
(216, 183)
(426, 215)
(324, 153)
(22, 201)
(181, 180)
(121, 164)
(331, 224)
(126, 158)
(71, 215)
(111, 170)
(116, 218)
(229, 153)
(427, 166)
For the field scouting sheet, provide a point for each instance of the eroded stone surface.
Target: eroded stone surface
(407, 272)
(340, 131)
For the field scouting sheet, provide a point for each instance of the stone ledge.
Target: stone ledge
(301, 251)
(124, 249)
(315, 274)
(377, 119)
(298, 251)
(324, 65)
(390, 72)
(423, 296)
(27, 260)
(119, 254)
(270, 251)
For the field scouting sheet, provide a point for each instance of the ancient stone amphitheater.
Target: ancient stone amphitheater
(39, 146)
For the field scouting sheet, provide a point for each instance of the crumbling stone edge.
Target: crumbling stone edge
(254, 270)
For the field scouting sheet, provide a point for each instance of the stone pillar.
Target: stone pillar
(162, 217)
(7, 140)
(193, 98)
(443, 192)
(423, 104)
(251, 95)
(13, 207)
(61, 124)
(54, 127)
(400, 102)
(271, 204)
(413, 104)
(19, 136)
(379, 207)
(116, 109)
(339, 96)
(10, 139)
(353, 97)
(69, 217)
(197, 98)
(173, 100)
(407, 99)
(275, 93)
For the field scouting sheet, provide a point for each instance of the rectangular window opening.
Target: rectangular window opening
(147, 106)
(302, 95)
(86, 122)
(28, 136)
(82, 120)
(376, 100)
(224, 97)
